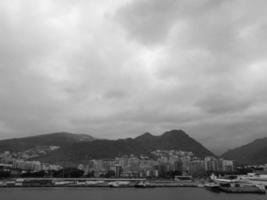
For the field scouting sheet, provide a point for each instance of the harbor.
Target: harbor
(94, 182)
(239, 184)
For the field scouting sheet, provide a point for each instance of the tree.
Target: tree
(109, 174)
(4, 174)
(69, 173)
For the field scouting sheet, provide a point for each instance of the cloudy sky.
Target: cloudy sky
(119, 68)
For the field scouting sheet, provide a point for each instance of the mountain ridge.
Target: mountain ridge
(75, 149)
(143, 144)
(56, 139)
(254, 152)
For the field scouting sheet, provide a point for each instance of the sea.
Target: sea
(120, 194)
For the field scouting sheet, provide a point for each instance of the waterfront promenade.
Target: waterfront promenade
(92, 182)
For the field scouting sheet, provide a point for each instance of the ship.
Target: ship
(237, 185)
(253, 178)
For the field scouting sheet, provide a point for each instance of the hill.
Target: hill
(61, 139)
(144, 144)
(251, 153)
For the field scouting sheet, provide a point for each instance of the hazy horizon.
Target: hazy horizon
(117, 69)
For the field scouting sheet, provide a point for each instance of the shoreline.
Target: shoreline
(93, 183)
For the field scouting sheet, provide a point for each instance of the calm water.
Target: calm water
(119, 194)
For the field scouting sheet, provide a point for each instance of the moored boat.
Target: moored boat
(238, 185)
(119, 184)
(143, 184)
(213, 187)
(242, 188)
(257, 179)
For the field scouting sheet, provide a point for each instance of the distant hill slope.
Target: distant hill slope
(61, 139)
(252, 153)
(144, 144)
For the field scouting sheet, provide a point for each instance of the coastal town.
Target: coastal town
(161, 168)
(158, 164)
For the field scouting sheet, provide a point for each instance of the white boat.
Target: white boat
(238, 185)
(93, 183)
(143, 184)
(118, 183)
(63, 183)
(2, 183)
(257, 179)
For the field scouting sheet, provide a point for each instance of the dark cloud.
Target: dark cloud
(117, 69)
(219, 104)
(151, 21)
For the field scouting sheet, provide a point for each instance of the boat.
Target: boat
(237, 185)
(3, 184)
(63, 183)
(242, 188)
(143, 184)
(118, 184)
(94, 183)
(213, 187)
(200, 185)
(257, 179)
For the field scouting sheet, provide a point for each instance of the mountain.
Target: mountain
(144, 144)
(252, 153)
(61, 139)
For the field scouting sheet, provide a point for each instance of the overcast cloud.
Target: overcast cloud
(120, 68)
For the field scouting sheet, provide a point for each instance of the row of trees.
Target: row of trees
(77, 173)
(72, 173)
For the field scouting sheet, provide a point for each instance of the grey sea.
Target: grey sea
(120, 194)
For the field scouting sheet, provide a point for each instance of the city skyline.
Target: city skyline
(119, 69)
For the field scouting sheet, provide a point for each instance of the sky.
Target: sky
(117, 69)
